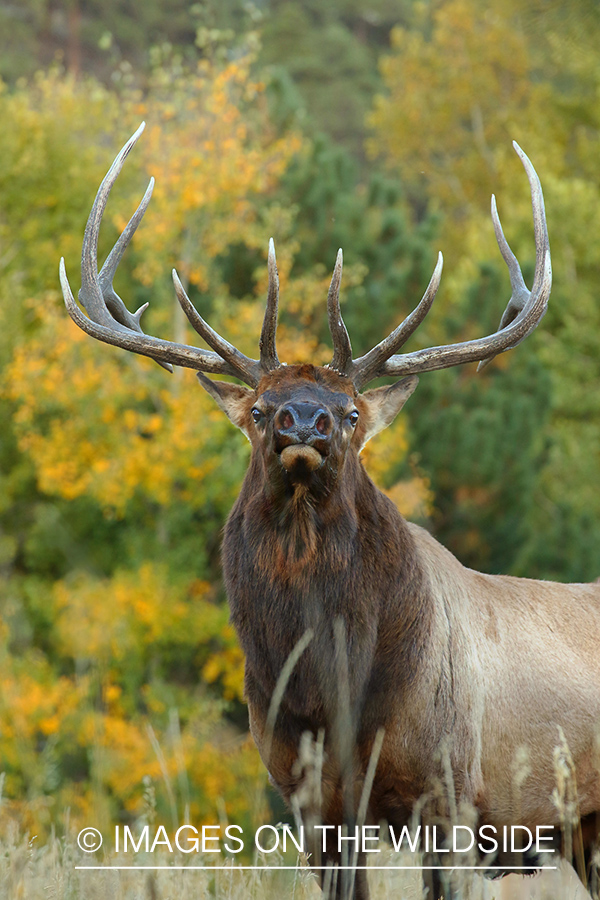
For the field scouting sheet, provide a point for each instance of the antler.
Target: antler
(523, 313)
(110, 320)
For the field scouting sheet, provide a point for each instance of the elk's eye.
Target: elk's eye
(257, 415)
(353, 417)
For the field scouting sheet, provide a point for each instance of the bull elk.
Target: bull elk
(396, 657)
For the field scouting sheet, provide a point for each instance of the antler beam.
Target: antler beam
(523, 313)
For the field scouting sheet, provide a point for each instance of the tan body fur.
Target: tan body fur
(529, 661)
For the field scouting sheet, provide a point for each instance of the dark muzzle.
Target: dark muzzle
(303, 423)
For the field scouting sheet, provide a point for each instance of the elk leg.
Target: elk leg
(590, 837)
(343, 884)
(338, 881)
(438, 885)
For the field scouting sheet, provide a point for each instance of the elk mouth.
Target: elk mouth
(300, 459)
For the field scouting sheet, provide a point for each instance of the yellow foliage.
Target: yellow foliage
(228, 665)
(211, 158)
(107, 627)
(106, 620)
(96, 422)
(50, 152)
(414, 498)
(133, 436)
(30, 706)
(459, 92)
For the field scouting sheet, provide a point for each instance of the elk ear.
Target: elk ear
(384, 404)
(232, 398)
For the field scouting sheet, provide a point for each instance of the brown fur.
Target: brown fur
(446, 660)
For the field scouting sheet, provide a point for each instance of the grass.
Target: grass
(49, 872)
(59, 870)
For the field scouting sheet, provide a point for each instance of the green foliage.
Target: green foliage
(94, 649)
(464, 80)
(369, 218)
(99, 38)
(483, 439)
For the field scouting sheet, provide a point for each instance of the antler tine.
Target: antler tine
(515, 328)
(110, 320)
(342, 349)
(105, 278)
(249, 370)
(520, 294)
(366, 368)
(91, 294)
(109, 303)
(113, 302)
(517, 282)
(542, 246)
(268, 347)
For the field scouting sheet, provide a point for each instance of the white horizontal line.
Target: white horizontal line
(352, 868)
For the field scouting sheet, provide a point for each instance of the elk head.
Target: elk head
(302, 420)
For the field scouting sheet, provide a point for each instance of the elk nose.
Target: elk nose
(304, 423)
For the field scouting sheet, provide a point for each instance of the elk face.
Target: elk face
(304, 420)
